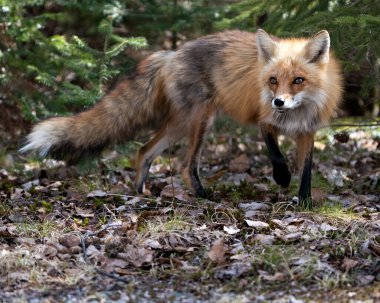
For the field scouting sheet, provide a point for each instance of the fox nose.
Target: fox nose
(278, 102)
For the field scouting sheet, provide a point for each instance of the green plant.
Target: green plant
(46, 69)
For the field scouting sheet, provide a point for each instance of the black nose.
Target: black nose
(278, 102)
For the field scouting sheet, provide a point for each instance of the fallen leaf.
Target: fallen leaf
(347, 264)
(97, 194)
(254, 206)
(137, 256)
(217, 252)
(115, 262)
(152, 244)
(56, 184)
(8, 231)
(69, 240)
(25, 241)
(28, 185)
(240, 257)
(257, 224)
(240, 164)
(327, 228)
(83, 213)
(91, 250)
(133, 201)
(231, 230)
(292, 237)
(374, 247)
(278, 276)
(264, 239)
(175, 191)
(50, 251)
(120, 188)
(261, 187)
(364, 279)
(17, 193)
(279, 223)
(19, 276)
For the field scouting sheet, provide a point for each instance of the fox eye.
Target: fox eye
(273, 80)
(298, 80)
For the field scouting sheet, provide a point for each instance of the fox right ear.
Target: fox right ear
(317, 49)
(265, 45)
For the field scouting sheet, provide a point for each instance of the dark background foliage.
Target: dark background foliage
(60, 56)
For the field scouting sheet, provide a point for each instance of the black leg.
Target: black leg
(281, 173)
(304, 195)
(305, 145)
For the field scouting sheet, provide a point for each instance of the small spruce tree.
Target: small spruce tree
(46, 67)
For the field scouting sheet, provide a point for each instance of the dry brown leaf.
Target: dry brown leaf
(92, 250)
(17, 193)
(278, 276)
(240, 164)
(279, 223)
(261, 187)
(69, 240)
(83, 213)
(364, 279)
(347, 264)
(50, 251)
(217, 252)
(75, 250)
(8, 231)
(264, 239)
(115, 262)
(292, 237)
(138, 256)
(374, 247)
(175, 191)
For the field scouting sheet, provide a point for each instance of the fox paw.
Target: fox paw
(201, 193)
(281, 174)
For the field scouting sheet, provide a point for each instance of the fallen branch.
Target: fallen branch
(111, 224)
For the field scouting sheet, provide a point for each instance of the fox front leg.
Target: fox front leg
(305, 145)
(281, 173)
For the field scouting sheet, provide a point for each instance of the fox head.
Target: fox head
(292, 70)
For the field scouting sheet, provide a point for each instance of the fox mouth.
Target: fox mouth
(281, 110)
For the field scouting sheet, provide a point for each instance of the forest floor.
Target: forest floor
(82, 234)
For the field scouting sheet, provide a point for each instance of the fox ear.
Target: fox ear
(265, 45)
(317, 49)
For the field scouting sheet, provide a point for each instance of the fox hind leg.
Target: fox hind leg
(197, 135)
(168, 135)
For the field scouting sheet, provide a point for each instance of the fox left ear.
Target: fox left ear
(317, 49)
(265, 45)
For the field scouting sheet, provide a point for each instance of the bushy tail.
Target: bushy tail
(133, 105)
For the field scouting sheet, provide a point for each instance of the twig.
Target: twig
(112, 276)
(88, 234)
(377, 123)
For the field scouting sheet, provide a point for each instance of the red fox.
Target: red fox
(289, 86)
